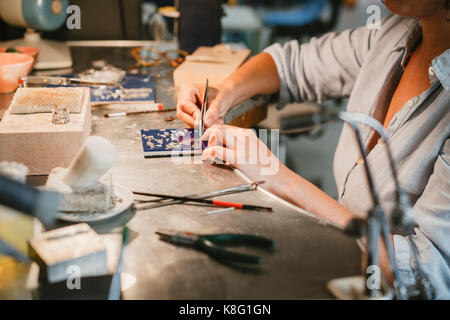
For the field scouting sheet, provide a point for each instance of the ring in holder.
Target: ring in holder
(60, 115)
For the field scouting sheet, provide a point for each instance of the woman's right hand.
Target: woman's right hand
(259, 75)
(190, 98)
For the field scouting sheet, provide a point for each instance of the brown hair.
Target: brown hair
(447, 6)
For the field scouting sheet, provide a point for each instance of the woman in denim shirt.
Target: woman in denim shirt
(400, 75)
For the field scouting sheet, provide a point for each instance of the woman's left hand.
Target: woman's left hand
(240, 148)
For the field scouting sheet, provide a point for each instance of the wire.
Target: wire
(374, 124)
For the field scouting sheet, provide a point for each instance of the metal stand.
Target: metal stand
(377, 226)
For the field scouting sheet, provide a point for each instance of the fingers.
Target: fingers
(187, 109)
(190, 97)
(215, 135)
(214, 114)
(219, 155)
(239, 148)
(225, 135)
(188, 112)
(230, 145)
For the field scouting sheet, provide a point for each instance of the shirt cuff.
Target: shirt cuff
(276, 52)
(402, 251)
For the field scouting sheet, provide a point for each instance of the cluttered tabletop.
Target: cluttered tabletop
(300, 255)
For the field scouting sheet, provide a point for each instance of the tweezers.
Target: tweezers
(201, 125)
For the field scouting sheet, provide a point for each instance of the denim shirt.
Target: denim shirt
(366, 65)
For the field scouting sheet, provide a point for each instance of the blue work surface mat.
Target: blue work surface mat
(171, 142)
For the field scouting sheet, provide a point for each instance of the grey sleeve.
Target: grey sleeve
(324, 68)
(432, 238)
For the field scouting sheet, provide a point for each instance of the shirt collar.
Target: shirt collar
(409, 40)
(441, 67)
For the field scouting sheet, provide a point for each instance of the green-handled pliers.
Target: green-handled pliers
(213, 244)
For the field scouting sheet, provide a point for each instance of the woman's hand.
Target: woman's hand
(240, 148)
(190, 99)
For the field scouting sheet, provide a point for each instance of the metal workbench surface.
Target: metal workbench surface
(307, 253)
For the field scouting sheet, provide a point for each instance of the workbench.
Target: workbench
(308, 252)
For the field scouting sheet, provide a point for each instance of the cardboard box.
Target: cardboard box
(216, 72)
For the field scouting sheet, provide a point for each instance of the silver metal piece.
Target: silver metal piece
(63, 81)
(177, 237)
(201, 125)
(118, 114)
(220, 211)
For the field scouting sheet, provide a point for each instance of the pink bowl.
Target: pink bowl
(32, 51)
(12, 67)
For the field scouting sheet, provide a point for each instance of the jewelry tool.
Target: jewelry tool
(232, 190)
(214, 244)
(129, 113)
(207, 201)
(220, 211)
(64, 81)
(201, 125)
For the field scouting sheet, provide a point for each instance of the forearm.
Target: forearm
(259, 75)
(297, 190)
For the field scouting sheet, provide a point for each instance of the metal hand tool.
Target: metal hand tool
(213, 244)
(165, 202)
(64, 81)
(201, 125)
(207, 201)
